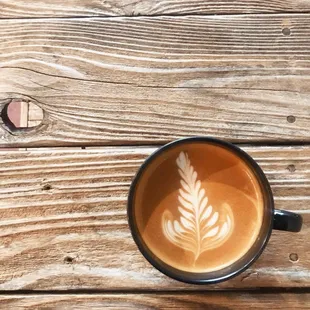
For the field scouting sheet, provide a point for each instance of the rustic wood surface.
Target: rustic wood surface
(45, 8)
(129, 75)
(209, 301)
(240, 78)
(63, 222)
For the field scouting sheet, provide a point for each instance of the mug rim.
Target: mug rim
(186, 276)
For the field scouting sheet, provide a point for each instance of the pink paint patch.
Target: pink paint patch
(14, 113)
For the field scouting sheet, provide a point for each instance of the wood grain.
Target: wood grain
(56, 8)
(35, 115)
(209, 301)
(63, 222)
(151, 80)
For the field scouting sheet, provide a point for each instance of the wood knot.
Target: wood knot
(20, 115)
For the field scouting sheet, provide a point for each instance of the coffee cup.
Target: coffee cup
(201, 210)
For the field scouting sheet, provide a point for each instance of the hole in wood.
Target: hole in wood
(68, 260)
(47, 187)
(291, 119)
(291, 168)
(294, 257)
(286, 31)
(21, 115)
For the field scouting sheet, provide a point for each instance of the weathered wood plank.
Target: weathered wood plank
(209, 301)
(69, 8)
(63, 222)
(151, 80)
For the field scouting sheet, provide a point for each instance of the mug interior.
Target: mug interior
(149, 170)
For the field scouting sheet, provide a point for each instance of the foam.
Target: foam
(199, 208)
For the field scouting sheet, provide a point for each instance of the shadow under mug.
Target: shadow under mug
(272, 219)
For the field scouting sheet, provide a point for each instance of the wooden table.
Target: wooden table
(119, 78)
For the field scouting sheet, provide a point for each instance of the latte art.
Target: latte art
(199, 227)
(198, 207)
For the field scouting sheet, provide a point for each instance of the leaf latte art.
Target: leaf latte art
(200, 227)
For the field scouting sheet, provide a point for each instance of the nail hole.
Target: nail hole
(291, 119)
(294, 257)
(286, 31)
(47, 187)
(21, 115)
(68, 260)
(291, 168)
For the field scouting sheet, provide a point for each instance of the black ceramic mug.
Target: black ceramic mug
(201, 210)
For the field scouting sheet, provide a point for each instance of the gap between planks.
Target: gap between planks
(275, 144)
(255, 291)
(153, 16)
(73, 8)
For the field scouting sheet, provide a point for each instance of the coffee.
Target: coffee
(198, 207)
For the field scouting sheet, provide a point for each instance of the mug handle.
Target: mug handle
(288, 221)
